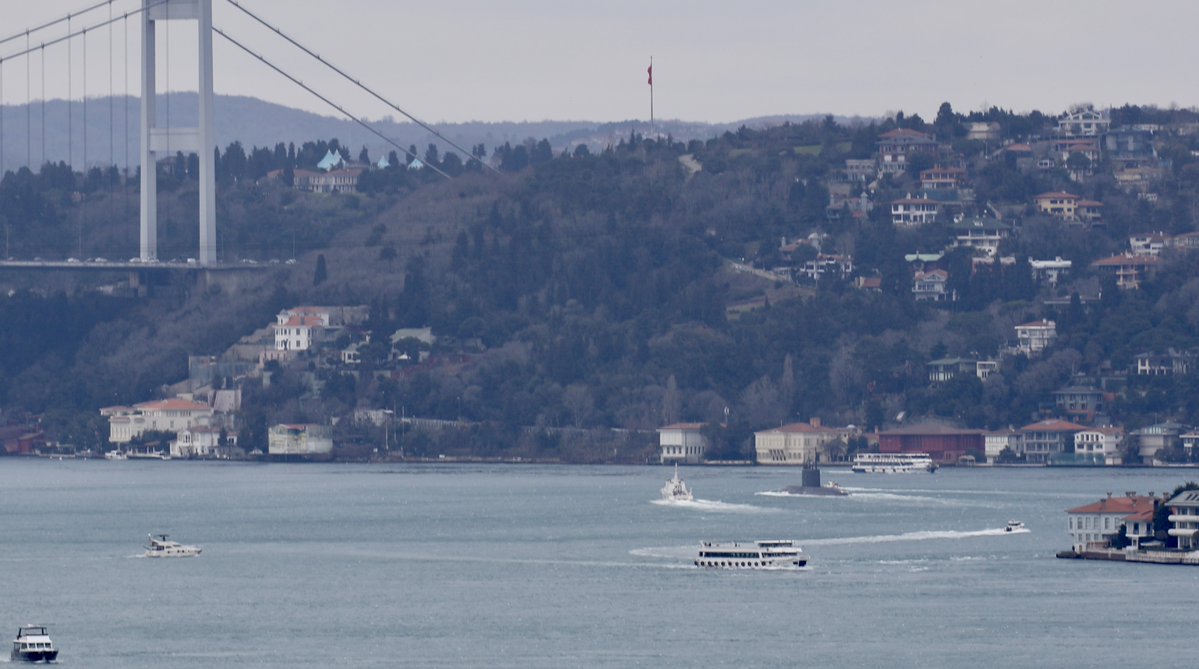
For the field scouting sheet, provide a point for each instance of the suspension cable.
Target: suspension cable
(469, 155)
(28, 112)
(96, 26)
(70, 108)
(323, 98)
(1, 120)
(81, 12)
(43, 71)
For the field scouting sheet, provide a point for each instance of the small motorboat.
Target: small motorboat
(160, 546)
(33, 645)
(1013, 525)
(675, 489)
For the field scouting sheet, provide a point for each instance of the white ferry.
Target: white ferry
(675, 489)
(33, 645)
(773, 554)
(160, 546)
(893, 463)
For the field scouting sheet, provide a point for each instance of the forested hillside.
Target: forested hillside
(652, 282)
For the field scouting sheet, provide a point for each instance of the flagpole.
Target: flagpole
(651, 95)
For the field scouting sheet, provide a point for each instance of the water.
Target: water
(538, 566)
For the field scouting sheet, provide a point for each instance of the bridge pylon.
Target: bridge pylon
(156, 140)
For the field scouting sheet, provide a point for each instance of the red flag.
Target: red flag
(650, 71)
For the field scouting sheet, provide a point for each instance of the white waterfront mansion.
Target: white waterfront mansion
(171, 415)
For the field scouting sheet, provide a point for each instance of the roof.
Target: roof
(303, 321)
(803, 428)
(931, 429)
(934, 274)
(1043, 323)
(1053, 425)
(1124, 506)
(681, 426)
(1126, 260)
(1188, 498)
(905, 134)
(1057, 195)
(172, 405)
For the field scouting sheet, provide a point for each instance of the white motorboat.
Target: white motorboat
(160, 546)
(675, 489)
(1013, 525)
(33, 645)
(893, 463)
(116, 455)
(772, 554)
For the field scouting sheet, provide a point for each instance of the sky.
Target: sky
(714, 60)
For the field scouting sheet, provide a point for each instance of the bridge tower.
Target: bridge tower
(157, 140)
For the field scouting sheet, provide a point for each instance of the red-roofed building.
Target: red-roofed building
(895, 146)
(1043, 440)
(1093, 526)
(170, 415)
(942, 178)
(300, 328)
(1058, 203)
(1129, 270)
(798, 443)
(683, 443)
(944, 444)
(930, 286)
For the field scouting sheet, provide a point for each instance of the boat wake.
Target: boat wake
(714, 505)
(923, 535)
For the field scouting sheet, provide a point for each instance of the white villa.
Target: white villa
(1100, 445)
(797, 443)
(199, 442)
(299, 329)
(171, 415)
(682, 443)
(300, 440)
(1184, 518)
(1034, 337)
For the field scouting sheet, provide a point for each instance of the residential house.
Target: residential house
(1034, 337)
(1153, 439)
(1079, 402)
(861, 170)
(171, 415)
(1094, 525)
(200, 441)
(1148, 243)
(914, 211)
(895, 146)
(1184, 519)
(1130, 271)
(996, 442)
(869, 284)
(827, 264)
(799, 443)
(302, 440)
(1045, 441)
(945, 369)
(983, 131)
(931, 286)
(943, 443)
(1190, 444)
(1171, 363)
(343, 180)
(1099, 446)
(942, 178)
(683, 443)
(1083, 122)
(981, 234)
(1049, 271)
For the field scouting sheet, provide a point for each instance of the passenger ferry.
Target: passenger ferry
(33, 645)
(773, 554)
(893, 463)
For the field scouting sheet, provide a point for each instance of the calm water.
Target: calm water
(505, 566)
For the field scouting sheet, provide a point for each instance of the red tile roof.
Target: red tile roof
(1057, 195)
(1137, 505)
(171, 405)
(1053, 425)
(681, 426)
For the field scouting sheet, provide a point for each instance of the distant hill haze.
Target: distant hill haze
(113, 123)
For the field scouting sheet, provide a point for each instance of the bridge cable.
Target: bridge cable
(28, 112)
(93, 27)
(1, 120)
(83, 186)
(67, 18)
(70, 109)
(469, 156)
(324, 99)
(43, 71)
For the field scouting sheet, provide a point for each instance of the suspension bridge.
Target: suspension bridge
(110, 23)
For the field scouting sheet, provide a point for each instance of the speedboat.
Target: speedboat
(1013, 525)
(160, 546)
(675, 489)
(116, 455)
(772, 554)
(33, 645)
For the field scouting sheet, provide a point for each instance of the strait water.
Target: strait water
(543, 566)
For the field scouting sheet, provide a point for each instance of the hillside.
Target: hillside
(581, 291)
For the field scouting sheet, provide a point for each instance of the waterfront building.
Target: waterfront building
(1099, 446)
(1094, 526)
(1045, 440)
(682, 443)
(798, 443)
(302, 439)
(171, 415)
(944, 444)
(1184, 519)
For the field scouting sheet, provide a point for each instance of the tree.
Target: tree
(321, 273)
(364, 157)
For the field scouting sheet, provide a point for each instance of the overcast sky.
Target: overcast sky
(714, 60)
